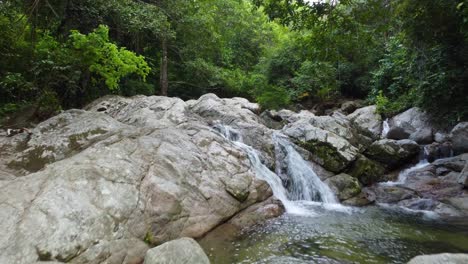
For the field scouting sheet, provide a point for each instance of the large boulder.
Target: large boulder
(444, 258)
(414, 124)
(240, 114)
(393, 153)
(332, 140)
(368, 121)
(367, 171)
(328, 149)
(109, 192)
(182, 250)
(344, 185)
(459, 138)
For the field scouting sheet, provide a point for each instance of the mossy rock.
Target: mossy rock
(328, 156)
(345, 186)
(367, 171)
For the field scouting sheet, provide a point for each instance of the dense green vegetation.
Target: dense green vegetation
(58, 54)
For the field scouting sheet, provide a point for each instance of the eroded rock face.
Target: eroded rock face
(326, 138)
(393, 153)
(150, 174)
(182, 250)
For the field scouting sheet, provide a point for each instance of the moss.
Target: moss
(33, 160)
(329, 157)
(74, 140)
(367, 171)
(149, 239)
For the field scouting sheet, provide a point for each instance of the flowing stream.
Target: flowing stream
(306, 187)
(317, 229)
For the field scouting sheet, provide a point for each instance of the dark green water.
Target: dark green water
(370, 235)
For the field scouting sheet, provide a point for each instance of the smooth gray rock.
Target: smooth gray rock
(368, 121)
(155, 175)
(415, 123)
(180, 251)
(445, 258)
(397, 133)
(459, 138)
(422, 136)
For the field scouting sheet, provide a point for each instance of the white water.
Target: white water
(305, 183)
(403, 175)
(386, 128)
(306, 190)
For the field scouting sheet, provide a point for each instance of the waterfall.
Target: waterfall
(306, 185)
(385, 129)
(304, 182)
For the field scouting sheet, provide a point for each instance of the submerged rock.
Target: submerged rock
(182, 250)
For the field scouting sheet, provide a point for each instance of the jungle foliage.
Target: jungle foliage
(59, 54)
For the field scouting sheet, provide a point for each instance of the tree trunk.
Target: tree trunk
(163, 77)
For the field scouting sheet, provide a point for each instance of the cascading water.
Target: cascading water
(386, 128)
(304, 182)
(306, 185)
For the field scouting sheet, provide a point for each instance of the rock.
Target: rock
(182, 250)
(430, 205)
(444, 258)
(350, 106)
(143, 111)
(142, 180)
(415, 123)
(367, 171)
(422, 136)
(460, 203)
(240, 114)
(437, 151)
(257, 213)
(441, 137)
(368, 121)
(344, 185)
(330, 139)
(61, 136)
(397, 133)
(393, 153)
(391, 194)
(463, 178)
(459, 138)
(456, 163)
(362, 199)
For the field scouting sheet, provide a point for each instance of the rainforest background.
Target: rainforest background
(60, 54)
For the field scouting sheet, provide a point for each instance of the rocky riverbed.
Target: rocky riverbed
(105, 184)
